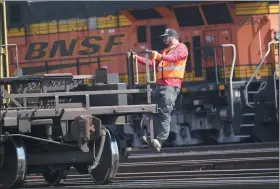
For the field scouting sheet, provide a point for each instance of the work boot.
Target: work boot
(156, 145)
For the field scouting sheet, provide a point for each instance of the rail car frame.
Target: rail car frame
(80, 127)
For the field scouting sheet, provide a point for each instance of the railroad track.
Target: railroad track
(240, 146)
(254, 178)
(243, 167)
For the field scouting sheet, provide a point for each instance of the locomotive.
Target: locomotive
(80, 111)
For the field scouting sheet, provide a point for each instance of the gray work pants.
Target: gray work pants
(164, 97)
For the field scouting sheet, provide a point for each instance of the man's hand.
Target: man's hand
(156, 55)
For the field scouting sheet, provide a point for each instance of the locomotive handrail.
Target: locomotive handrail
(256, 71)
(275, 86)
(216, 66)
(231, 74)
(137, 72)
(17, 64)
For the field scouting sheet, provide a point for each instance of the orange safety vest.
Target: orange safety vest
(171, 69)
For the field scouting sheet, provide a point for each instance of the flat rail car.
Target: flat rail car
(55, 121)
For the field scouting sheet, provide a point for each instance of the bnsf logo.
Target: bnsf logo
(91, 45)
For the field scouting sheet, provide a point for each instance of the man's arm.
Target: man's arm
(142, 60)
(180, 53)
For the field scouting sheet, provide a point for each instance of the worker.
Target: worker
(170, 65)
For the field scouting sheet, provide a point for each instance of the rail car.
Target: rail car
(53, 120)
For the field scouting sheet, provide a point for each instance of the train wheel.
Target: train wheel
(55, 176)
(14, 164)
(109, 161)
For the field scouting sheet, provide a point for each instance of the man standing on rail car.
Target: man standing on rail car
(170, 65)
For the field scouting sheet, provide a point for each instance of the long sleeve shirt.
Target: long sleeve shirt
(180, 52)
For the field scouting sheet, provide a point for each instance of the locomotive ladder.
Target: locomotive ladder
(262, 86)
(248, 116)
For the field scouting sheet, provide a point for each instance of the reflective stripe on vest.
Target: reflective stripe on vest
(171, 67)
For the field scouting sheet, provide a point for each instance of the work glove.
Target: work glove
(156, 55)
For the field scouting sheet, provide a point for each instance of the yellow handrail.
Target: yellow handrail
(4, 59)
(4, 50)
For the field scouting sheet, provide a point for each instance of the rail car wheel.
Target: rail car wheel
(14, 164)
(109, 161)
(55, 176)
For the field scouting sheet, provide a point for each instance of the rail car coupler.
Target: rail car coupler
(85, 128)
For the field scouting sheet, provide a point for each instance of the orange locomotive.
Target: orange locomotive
(79, 46)
(59, 47)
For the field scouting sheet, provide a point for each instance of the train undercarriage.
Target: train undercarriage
(201, 118)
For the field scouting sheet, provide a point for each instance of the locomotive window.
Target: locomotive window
(15, 14)
(217, 13)
(189, 65)
(141, 34)
(143, 14)
(188, 16)
(197, 56)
